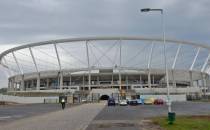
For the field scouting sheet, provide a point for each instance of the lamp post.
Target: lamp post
(165, 60)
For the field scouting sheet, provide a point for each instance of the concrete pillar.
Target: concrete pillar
(149, 79)
(191, 79)
(9, 85)
(61, 80)
(22, 85)
(89, 81)
(47, 85)
(98, 80)
(70, 80)
(197, 83)
(140, 79)
(31, 84)
(126, 81)
(153, 79)
(120, 81)
(12, 85)
(83, 80)
(112, 79)
(204, 83)
(38, 82)
(15, 86)
(173, 78)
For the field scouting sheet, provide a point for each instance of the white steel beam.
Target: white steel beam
(18, 65)
(88, 61)
(194, 60)
(149, 65)
(120, 78)
(5, 62)
(57, 55)
(150, 56)
(176, 56)
(205, 63)
(33, 58)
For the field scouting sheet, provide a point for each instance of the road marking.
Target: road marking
(4, 117)
(18, 116)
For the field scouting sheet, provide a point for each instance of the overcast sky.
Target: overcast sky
(25, 21)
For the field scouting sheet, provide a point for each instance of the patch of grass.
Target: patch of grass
(185, 123)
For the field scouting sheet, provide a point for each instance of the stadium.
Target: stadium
(121, 64)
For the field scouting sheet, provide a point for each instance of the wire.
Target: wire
(69, 63)
(104, 53)
(68, 53)
(94, 55)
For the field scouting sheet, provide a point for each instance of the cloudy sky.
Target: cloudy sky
(25, 21)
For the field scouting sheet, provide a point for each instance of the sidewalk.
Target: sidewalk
(76, 118)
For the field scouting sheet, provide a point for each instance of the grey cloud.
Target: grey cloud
(23, 21)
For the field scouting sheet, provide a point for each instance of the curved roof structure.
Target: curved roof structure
(106, 52)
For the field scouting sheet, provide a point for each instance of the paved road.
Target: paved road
(94, 116)
(75, 118)
(130, 117)
(146, 111)
(14, 112)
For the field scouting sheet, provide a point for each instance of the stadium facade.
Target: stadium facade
(99, 63)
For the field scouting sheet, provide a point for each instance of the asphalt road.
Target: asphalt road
(130, 117)
(14, 112)
(73, 118)
(94, 116)
(146, 111)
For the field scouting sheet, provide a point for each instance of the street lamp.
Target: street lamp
(164, 43)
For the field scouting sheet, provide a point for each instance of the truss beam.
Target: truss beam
(33, 58)
(195, 58)
(176, 56)
(57, 55)
(17, 63)
(205, 63)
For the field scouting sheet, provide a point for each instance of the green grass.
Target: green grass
(185, 123)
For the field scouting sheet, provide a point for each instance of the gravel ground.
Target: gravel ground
(75, 118)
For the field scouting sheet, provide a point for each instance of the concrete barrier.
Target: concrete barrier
(51, 100)
(25, 100)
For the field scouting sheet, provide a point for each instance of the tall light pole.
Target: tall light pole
(165, 58)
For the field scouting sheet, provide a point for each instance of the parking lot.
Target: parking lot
(129, 117)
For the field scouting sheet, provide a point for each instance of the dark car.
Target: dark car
(111, 102)
(158, 102)
(133, 102)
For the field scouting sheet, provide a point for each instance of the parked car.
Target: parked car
(84, 100)
(111, 102)
(123, 103)
(117, 102)
(133, 102)
(158, 102)
(140, 101)
(149, 101)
